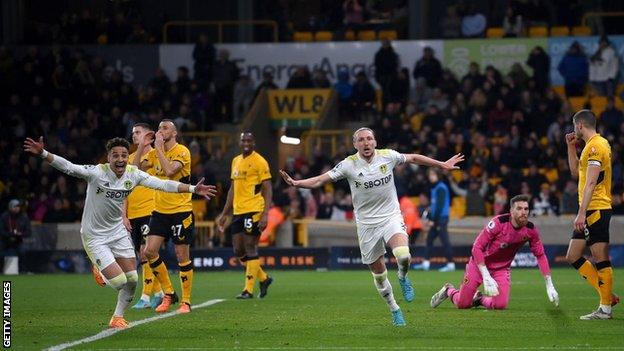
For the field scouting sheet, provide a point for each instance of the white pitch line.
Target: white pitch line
(112, 331)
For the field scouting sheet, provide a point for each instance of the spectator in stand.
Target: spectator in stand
(544, 204)
(474, 194)
(118, 29)
(300, 79)
(569, 198)
(14, 227)
(450, 25)
(574, 68)
(612, 117)
(225, 73)
(345, 93)
(473, 23)
(499, 119)
(398, 91)
(421, 94)
(363, 95)
(428, 67)
(604, 68)
(411, 218)
(386, 65)
(353, 14)
(319, 79)
(204, 56)
(501, 197)
(540, 62)
(267, 83)
(512, 24)
(243, 97)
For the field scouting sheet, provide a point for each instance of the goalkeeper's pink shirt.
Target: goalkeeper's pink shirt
(498, 242)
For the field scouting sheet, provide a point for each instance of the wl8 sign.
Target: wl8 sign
(298, 104)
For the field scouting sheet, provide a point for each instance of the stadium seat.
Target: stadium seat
(559, 31)
(598, 104)
(538, 32)
(349, 35)
(581, 31)
(199, 209)
(323, 36)
(416, 122)
(552, 175)
(302, 36)
(379, 100)
(367, 35)
(494, 32)
(458, 207)
(388, 34)
(577, 103)
(559, 90)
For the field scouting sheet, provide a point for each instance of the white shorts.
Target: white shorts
(373, 239)
(103, 253)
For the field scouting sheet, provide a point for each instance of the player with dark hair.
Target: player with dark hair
(492, 254)
(591, 225)
(248, 200)
(103, 234)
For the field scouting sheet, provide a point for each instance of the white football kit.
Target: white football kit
(103, 234)
(375, 202)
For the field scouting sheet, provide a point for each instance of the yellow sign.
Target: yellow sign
(297, 103)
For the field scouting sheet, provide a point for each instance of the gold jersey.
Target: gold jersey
(165, 202)
(141, 199)
(597, 151)
(247, 176)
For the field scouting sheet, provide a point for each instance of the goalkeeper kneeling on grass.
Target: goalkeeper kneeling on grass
(492, 254)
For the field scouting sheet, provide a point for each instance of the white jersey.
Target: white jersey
(372, 185)
(101, 216)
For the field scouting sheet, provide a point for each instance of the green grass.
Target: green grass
(317, 310)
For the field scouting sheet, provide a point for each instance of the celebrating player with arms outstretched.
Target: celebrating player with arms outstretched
(104, 236)
(377, 211)
(492, 253)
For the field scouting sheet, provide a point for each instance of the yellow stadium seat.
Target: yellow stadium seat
(538, 32)
(598, 104)
(388, 34)
(323, 36)
(199, 209)
(552, 174)
(581, 31)
(559, 31)
(458, 207)
(302, 36)
(559, 90)
(416, 122)
(458, 175)
(349, 35)
(379, 100)
(494, 32)
(577, 103)
(415, 200)
(367, 35)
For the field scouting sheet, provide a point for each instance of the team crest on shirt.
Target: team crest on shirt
(525, 237)
(128, 185)
(466, 280)
(383, 168)
(504, 245)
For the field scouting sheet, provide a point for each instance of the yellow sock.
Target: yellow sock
(186, 280)
(587, 270)
(251, 269)
(148, 278)
(156, 288)
(161, 273)
(261, 274)
(605, 282)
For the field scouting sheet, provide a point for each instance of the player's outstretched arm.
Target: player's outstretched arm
(172, 186)
(449, 164)
(37, 148)
(308, 183)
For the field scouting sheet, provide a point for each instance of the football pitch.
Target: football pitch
(307, 310)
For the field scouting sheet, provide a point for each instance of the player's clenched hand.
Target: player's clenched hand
(451, 162)
(221, 219)
(126, 224)
(33, 147)
(287, 178)
(570, 139)
(553, 295)
(148, 138)
(207, 191)
(264, 220)
(159, 141)
(579, 222)
(490, 286)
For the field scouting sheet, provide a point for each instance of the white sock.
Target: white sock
(145, 297)
(385, 289)
(426, 264)
(126, 293)
(159, 294)
(403, 258)
(605, 308)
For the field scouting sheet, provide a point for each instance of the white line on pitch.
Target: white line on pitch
(112, 331)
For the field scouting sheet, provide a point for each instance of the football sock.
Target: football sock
(161, 273)
(148, 280)
(126, 293)
(261, 274)
(587, 270)
(251, 271)
(605, 284)
(385, 289)
(403, 258)
(156, 288)
(117, 282)
(186, 280)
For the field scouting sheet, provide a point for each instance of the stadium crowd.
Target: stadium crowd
(510, 126)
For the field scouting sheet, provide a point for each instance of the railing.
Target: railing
(588, 15)
(220, 25)
(204, 232)
(320, 137)
(211, 140)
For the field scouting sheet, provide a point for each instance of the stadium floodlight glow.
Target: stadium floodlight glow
(290, 140)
